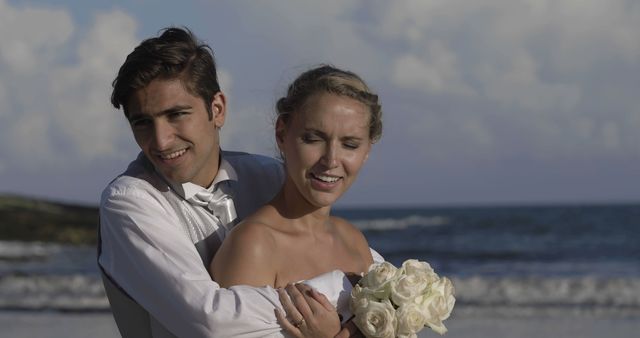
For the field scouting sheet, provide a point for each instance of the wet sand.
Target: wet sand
(464, 324)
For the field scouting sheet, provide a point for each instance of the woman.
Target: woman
(325, 128)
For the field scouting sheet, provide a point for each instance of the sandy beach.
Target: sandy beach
(463, 324)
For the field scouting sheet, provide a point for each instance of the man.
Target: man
(162, 220)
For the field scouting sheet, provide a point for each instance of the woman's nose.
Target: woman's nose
(331, 156)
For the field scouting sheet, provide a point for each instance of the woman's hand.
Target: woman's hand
(308, 313)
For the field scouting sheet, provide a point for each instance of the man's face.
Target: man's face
(173, 129)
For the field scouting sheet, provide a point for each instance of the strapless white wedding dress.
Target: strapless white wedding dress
(336, 287)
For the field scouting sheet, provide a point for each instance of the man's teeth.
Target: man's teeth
(328, 179)
(172, 155)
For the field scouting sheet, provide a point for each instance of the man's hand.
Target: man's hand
(308, 313)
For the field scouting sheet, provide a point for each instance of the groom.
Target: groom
(163, 219)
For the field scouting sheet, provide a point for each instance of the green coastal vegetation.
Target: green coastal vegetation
(29, 219)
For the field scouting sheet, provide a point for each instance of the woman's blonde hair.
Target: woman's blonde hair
(329, 79)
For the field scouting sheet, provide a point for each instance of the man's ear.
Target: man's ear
(219, 109)
(281, 129)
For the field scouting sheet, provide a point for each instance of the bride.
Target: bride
(325, 128)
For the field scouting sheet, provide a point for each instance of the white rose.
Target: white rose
(411, 266)
(407, 288)
(438, 303)
(410, 319)
(360, 298)
(376, 320)
(412, 335)
(377, 279)
(419, 268)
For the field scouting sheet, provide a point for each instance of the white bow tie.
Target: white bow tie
(219, 203)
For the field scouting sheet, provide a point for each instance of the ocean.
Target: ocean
(510, 260)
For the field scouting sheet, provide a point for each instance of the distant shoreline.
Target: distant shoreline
(387, 206)
(26, 219)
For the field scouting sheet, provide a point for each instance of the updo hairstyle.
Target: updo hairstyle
(329, 79)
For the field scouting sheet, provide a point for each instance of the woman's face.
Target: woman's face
(324, 145)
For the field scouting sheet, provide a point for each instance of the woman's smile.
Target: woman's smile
(324, 182)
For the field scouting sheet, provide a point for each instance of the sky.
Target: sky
(493, 102)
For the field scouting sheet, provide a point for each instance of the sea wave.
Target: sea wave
(585, 291)
(52, 292)
(27, 251)
(381, 224)
(85, 293)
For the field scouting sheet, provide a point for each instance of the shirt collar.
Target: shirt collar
(225, 173)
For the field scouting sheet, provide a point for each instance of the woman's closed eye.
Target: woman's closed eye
(310, 138)
(351, 145)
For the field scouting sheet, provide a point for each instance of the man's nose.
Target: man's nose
(163, 134)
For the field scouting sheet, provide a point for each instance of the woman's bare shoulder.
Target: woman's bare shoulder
(260, 228)
(355, 239)
(254, 230)
(346, 228)
(350, 233)
(246, 255)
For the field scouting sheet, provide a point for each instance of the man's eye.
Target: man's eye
(140, 123)
(176, 115)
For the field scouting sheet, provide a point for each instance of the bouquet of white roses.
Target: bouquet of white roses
(398, 302)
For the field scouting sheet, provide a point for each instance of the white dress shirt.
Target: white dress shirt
(156, 247)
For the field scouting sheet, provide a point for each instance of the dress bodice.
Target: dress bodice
(336, 287)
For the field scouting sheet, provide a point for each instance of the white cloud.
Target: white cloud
(81, 92)
(311, 32)
(436, 72)
(31, 35)
(29, 136)
(248, 126)
(531, 70)
(55, 86)
(249, 129)
(537, 66)
(519, 86)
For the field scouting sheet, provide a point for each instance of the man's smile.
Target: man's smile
(171, 155)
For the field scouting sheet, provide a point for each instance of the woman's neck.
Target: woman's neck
(293, 206)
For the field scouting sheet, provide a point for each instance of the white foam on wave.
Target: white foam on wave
(48, 292)
(16, 250)
(85, 292)
(401, 223)
(586, 291)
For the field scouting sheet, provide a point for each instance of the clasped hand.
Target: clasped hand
(310, 314)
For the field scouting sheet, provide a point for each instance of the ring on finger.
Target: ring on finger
(299, 323)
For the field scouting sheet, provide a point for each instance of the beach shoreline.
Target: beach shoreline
(465, 322)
